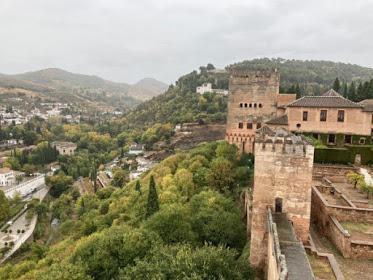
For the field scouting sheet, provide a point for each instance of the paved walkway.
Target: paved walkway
(295, 255)
(21, 224)
(25, 188)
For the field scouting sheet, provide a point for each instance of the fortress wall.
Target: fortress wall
(281, 171)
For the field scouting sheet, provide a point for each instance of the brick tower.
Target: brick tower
(252, 101)
(282, 181)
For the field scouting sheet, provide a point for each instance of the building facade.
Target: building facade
(65, 148)
(331, 115)
(207, 87)
(282, 183)
(7, 177)
(254, 99)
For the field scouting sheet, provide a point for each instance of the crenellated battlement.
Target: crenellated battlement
(253, 76)
(283, 142)
(284, 148)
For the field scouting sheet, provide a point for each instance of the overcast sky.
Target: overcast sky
(126, 40)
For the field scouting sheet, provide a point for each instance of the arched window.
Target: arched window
(251, 105)
(260, 105)
(278, 205)
(241, 105)
(245, 105)
(254, 105)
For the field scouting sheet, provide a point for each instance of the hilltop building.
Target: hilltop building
(65, 148)
(207, 87)
(330, 118)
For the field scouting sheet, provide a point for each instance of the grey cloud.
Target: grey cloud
(131, 39)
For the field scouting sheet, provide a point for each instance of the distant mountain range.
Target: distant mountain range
(60, 85)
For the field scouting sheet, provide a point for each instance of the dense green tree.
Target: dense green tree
(337, 85)
(216, 220)
(352, 92)
(345, 89)
(138, 186)
(58, 183)
(4, 207)
(173, 224)
(220, 176)
(187, 262)
(227, 151)
(153, 204)
(120, 178)
(184, 182)
(64, 271)
(62, 207)
(210, 66)
(105, 253)
(30, 137)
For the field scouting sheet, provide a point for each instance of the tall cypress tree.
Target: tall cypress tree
(138, 187)
(352, 92)
(297, 91)
(345, 89)
(153, 204)
(337, 85)
(360, 92)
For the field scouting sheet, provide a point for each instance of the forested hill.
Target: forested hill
(180, 103)
(313, 76)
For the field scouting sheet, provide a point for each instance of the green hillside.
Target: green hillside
(182, 225)
(313, 76)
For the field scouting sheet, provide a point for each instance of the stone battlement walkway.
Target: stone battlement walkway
(295, 255)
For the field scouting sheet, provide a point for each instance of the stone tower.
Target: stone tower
(282, 181)
(252, 101)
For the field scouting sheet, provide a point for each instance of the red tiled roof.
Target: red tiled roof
(330, 99)
(282, 120)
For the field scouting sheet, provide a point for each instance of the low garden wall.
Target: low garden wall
(335, 172)
(327, 218)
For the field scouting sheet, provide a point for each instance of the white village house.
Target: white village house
(207, 87)
(7, 177)
(136, 149)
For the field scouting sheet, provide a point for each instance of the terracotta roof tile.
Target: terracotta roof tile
(282, 120)
(330, 99)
